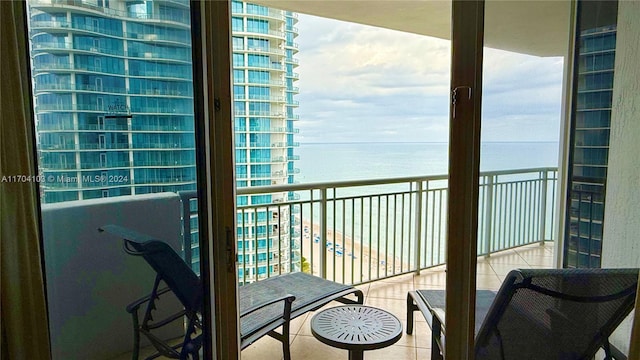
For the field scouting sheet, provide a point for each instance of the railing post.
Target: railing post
(418, 221)
(323, 233)
(488, 215)
(543, 207)
(186, 227)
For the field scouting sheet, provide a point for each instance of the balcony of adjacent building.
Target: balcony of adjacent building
(179, 18)
(266, 130)
(64, 26)
(384, 235)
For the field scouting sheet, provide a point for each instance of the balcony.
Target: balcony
(262, 12)
(386, 236)
(390, 294)
(382, 228)
(182, 21)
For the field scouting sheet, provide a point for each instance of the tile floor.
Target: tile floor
(390, 294)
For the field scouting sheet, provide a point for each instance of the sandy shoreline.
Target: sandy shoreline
(347, 259)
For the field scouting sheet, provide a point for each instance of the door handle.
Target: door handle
(231, 251)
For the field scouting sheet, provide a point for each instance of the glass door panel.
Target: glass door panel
(556, 98)
(593, 74)
(522, 100)
(129, 160)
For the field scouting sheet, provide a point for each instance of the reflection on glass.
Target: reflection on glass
(595, 59)
(113, 94)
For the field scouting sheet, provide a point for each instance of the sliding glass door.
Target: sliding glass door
(126, 136)
(508, 74)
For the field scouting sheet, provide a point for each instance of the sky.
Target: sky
(360, 83)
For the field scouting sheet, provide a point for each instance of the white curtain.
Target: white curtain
(23, 313)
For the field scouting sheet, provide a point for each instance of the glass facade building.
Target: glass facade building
(113, 93)
(263, 87)
(113, 96)
(591, 120)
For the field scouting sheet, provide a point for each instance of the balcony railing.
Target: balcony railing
(178, 39)
(180, 18)
(360, 231)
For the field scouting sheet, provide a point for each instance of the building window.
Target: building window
(590, 123)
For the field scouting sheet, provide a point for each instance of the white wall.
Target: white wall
(621, 243)
(621, 238)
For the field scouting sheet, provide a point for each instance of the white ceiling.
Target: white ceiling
(535, 27)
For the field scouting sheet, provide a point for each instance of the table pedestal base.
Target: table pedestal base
(356, 355)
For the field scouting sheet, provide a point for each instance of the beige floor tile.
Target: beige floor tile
(423, 354)
(541, 267)
(488, 282)
(399, 279)
(534, 250)
(406, 339)
(422, 333)
(309, 348)
(393, 352)
(435, 278)
(541, 261)
(390, 290)
(296, 324)
(485, 268)
(266, 348)
(504, 269)
(305, 329)
(538, 251)
(511, 258)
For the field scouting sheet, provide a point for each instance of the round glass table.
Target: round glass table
(356, 328)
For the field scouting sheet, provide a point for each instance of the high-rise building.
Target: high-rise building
(113, 94)
(591, 121)
(114, 107)
(263, 87)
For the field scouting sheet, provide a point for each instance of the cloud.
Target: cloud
(360, 84)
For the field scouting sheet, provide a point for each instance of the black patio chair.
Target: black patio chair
(264, 305)
(540, 314)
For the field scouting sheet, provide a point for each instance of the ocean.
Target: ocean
(383, 215)
(321, 162)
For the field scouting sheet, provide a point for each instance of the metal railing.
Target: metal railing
(360, 231)
(176, 18)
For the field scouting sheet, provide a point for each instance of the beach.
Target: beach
(347, 261)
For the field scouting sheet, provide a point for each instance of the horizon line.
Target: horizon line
(424, 142)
